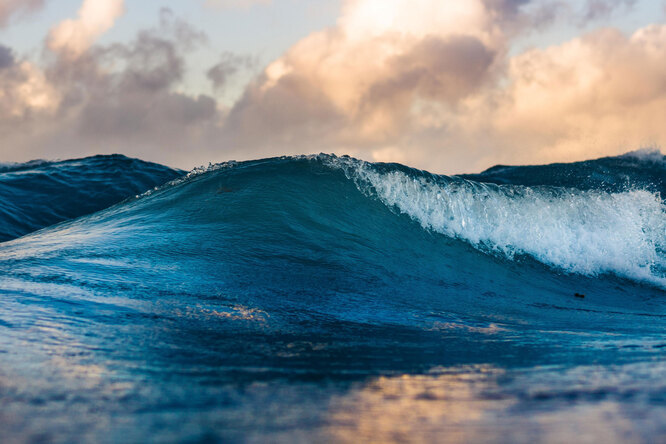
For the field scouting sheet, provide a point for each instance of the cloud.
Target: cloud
(6, 57)
(600, 93)
(228, 66)
(24, 92)
(368, 82)
(10, 9)
(115, 98)
(139, 100)
(433, 84)
(73, 37)
(599, 9)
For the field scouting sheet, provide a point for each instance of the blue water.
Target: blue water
(326, 299)
(38, 194)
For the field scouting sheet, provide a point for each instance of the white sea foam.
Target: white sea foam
(585, 232)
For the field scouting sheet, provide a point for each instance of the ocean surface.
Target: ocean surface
(327, 299)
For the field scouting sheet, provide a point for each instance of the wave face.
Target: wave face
(350, 299)
(38, 194)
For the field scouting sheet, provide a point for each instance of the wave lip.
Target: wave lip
(587, 232)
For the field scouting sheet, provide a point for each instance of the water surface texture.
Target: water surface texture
(326, 299)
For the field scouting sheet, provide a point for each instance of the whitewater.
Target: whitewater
(324, 298)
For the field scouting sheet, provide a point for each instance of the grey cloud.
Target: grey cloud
(10, 9)
(599, 9)
(441, 69)
(117, 98)
(139, 101)
(6, 57)
(290, 115)
(520, 15)
(505, 8)
(144, 115)
(153, 63)
(547, 13)
(297, 115)
(229, 65)
(180, 32)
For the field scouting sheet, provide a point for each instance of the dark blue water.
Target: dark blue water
(328, 299)
(642, 169)
(38, 194)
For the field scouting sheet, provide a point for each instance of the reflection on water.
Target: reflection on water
(107, 377)
(65, 399)
(419, 408)
(482, 403)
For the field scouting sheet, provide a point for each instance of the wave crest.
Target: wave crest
(587, 232)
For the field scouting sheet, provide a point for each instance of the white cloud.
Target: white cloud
(367, 84)
(73, 37)
(430, 83)
(118, 98)
(598, 94)
(25, 90)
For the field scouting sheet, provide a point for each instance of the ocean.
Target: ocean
(327, 299)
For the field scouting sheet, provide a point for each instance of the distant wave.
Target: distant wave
(642, 169)
(40, 193)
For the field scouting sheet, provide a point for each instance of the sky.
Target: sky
(447, 86)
